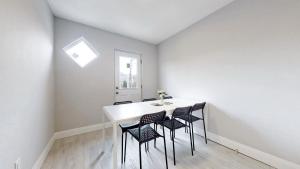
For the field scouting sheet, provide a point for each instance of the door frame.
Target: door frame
(141, 70)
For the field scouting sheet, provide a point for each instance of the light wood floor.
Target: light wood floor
(92, 151)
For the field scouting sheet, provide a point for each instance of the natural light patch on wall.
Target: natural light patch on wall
(81, 51)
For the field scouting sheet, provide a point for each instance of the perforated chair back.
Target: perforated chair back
(168, 97)
(198, 106)
(124, 102)
(152, 118)
(181, 111)
(151, 99)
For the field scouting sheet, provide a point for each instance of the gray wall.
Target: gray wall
(82, 92)
(243, 60)
(26, 81)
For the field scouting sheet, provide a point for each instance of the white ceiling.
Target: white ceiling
(148, 20)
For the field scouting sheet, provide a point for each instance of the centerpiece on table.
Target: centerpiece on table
(162, 95)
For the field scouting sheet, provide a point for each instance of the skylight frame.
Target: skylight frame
(77, 42)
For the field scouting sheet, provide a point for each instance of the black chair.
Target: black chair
(168, 97)
(125, 128)
(174, 124)
(123, 102)
(155, 124)
(147, 100)
(145, 133)
(191, 119)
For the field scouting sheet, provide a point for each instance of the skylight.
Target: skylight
(81, 51)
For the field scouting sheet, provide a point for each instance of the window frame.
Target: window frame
(76, 42)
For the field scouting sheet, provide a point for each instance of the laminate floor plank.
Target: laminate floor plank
(93, 151)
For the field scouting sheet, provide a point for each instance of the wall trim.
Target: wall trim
(38, 164)
(66, 133)
(252, 152)
(244, 149)
(81, 130)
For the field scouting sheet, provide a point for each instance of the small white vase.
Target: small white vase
(162, 100)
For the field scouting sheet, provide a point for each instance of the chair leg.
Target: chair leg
(174, 134)
(193, 136)
(155, 128)
(174, 158)
(122, 149)
(148, 146)
(204, 128)
(185, 127)
(125, 147)
(165, 148)
(191, 139)
(140, 155)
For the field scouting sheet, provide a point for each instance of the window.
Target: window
(128, 72)
(81, 51)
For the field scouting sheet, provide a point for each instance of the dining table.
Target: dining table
(126, 113)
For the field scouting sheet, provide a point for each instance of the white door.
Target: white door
(127, 76)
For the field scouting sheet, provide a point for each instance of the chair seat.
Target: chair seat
(190, 118)
(126, 126)
(147, 134)
(177, 124)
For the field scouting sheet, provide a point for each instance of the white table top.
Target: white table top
(133, 111)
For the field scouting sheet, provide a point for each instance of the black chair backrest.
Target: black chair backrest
(181, 111)
(152, 118)
(124, 102)
(151, 99)
(168, 97)
(198, 106)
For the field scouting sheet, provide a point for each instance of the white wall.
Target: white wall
(82, 92)
(243, 60)
(26, 81)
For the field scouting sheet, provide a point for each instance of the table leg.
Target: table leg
(115, 147)
(103, 131)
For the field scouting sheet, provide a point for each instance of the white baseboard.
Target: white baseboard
(252, 152)
(81, 130)
(249, 151)
(38, 164)
(66, 133)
